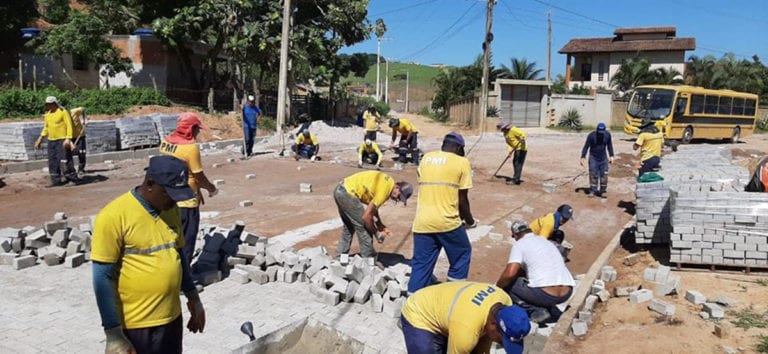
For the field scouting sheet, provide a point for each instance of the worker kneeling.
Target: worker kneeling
(462, 317)
(536, 276)
(306, 146)
(409, 139)
(370, 153)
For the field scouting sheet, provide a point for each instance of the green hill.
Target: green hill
(420, 75)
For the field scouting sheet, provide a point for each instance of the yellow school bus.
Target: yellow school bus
(688, 112)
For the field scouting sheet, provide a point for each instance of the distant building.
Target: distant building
(598, 59)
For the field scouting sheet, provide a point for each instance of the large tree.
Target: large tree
(632, 72)
(16, 15)
(520, 69)
(728, 72)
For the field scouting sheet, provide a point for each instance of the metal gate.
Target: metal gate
(521, 104)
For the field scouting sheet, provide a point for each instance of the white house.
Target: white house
(598, 59)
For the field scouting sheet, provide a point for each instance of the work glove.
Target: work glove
(382, 234)
(117, 342)
(213, 192)
(313, 158)
(582, 162)
(360, 164)
(196, 314)
(474, 224)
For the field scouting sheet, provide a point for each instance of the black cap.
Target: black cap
(566, 211)
(171, 173)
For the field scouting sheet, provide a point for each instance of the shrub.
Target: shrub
(579, 90)
(16, 103)
(267, 123)
(571, 120)
(762, 123)
(492, 111)
(381, 106)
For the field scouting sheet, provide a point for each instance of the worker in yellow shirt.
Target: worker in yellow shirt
(409, 139)
(462, 317)
(371, 117)
(442, 214)
(548, 227)
(517, 147)
(369, 152)
(358, 198)
(137, 264)
(57, 127)
(182, 144)
(650, 141)
(78, 139)
(306, 146)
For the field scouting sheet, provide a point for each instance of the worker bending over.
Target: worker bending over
(650, 141)
(306, 146)
(409, 139)
(369, 153)
(517, 147)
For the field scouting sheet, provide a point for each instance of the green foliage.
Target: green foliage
(427, 112)
(520, 69)
(762, 281)
(56, 11)
(558, 86)
(382, 107)
(762, 123)
(420, 76)
(748, 318)
(492, 111)
(579, 90)
(83, 36)
(268, 124)
(728, 73)
(380, 29)
(571, 120)
(16, 103)
(16, 15)
(636, 71)
(762, 344)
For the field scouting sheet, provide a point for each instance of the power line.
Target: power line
(403, 8)
(578, 14)
(441, 35)
(514, 16)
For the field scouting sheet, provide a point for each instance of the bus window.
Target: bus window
(749, 107)
(711, 104)
(697, 104)
(738, 106)
(725, 105)
(680, 106)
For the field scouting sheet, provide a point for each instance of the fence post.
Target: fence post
(234, 100)
(154, 82)
(21, 75)
(210, 100)
(34, 77)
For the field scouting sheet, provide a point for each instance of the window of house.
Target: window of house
(738, 106)
(601, 71)
(586, 72)
(697, 104)
(749, 107)
(79, 62)
(725, 105)
(710, 105)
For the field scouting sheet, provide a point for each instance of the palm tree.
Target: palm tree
(632, 72)
(521, 69)
(667, 76)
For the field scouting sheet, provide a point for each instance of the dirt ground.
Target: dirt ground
(279, 207)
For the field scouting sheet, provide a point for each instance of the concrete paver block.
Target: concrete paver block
(344, 259)
(233, 261)
(86, 227)
(10, 232)
(250, 176)
(51, 226)
(17, 244)
(290, 258)
(392, 308)
(670, 286)
(231, 159)
(662, 273)
(22, 262)
(377, 303)
(721, 331)
(6, 258)
(631, 260)
(249, 239)
(603, 295)
(272, 273)
(37, 239)
(724, 300)
(218, 182)
(640, 296)
(364, 290)
(74, 247)
(695, 297)
(393, 289)
(327, 297)
(239, 276)
(714, 310)
(379, 284)
(5, 246)
(608, 274)
(662, 307)
(589, 302)
(245, 203)
(337, 269)
(60, 216)
(259, 260)
(291, 276)
(585, 316)
(704, 315)
(352, 287)
(578, 328)
(649, 274)
(60, 238)
(623, 291)
(305, 188)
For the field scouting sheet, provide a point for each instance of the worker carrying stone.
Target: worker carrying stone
(370, 153)
(535, 275)
(462, 317)
(548, 227)
(57, 127)
(78, 147)
(371, 117)
(358, 198)
(517, 148)
(598, 143)
(409, 139)
(650, 141)
(306, 146)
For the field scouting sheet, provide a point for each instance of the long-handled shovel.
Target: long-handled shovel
(500, 166)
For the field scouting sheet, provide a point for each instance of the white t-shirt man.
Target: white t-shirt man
(542, 261)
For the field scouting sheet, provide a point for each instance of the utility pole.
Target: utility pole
(486, 58)
(386, 82)
(378, 62)
(407, 81)
(283, 74)
(549, 45)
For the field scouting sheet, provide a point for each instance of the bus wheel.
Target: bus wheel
(687, 135)
(736, 135)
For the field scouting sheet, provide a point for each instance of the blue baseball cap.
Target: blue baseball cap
(172, 174)
(514, 325)
(601, 126)
(454, 137)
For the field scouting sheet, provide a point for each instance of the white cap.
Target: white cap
(251, 98)
(368, 142)
(50, 99)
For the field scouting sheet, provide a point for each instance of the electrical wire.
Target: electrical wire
(403, 8)
(578, 14)
(441, 35)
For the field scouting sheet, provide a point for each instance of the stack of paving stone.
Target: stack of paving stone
(136, 132)
(165, 124)
(332, 281)
(54, 244)
(18, 141)
(700, 166)
(720, 228)
(101, 136)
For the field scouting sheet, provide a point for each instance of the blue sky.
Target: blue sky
(451, 31)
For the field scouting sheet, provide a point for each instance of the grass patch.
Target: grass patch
(748, 318)
(762, 344)
(762, 281)
(420, 76)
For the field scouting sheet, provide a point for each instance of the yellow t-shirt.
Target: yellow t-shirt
(57, 125)
(516, 139)
(145, 248)
(441, 176)
(457, 310)
(302, 140)
(370, 186)
(650, 144)
(190, 154)
(371, 121)
(77, 123)
(369, 149)
(544, 226)
(405, 126)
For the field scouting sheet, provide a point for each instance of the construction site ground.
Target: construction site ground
(310, 219)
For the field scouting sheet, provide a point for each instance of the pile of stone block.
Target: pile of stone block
(18, 141)
(701, 167)
(165, 124)
(54, 244)
(598, 293)
(101, 136)
(710, 308)
(135, 132)
(332, 281)
(720, 228)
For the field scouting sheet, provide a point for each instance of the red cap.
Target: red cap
(190, 119)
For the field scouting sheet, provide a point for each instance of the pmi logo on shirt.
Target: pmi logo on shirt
(435, 160)
(482, 294)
